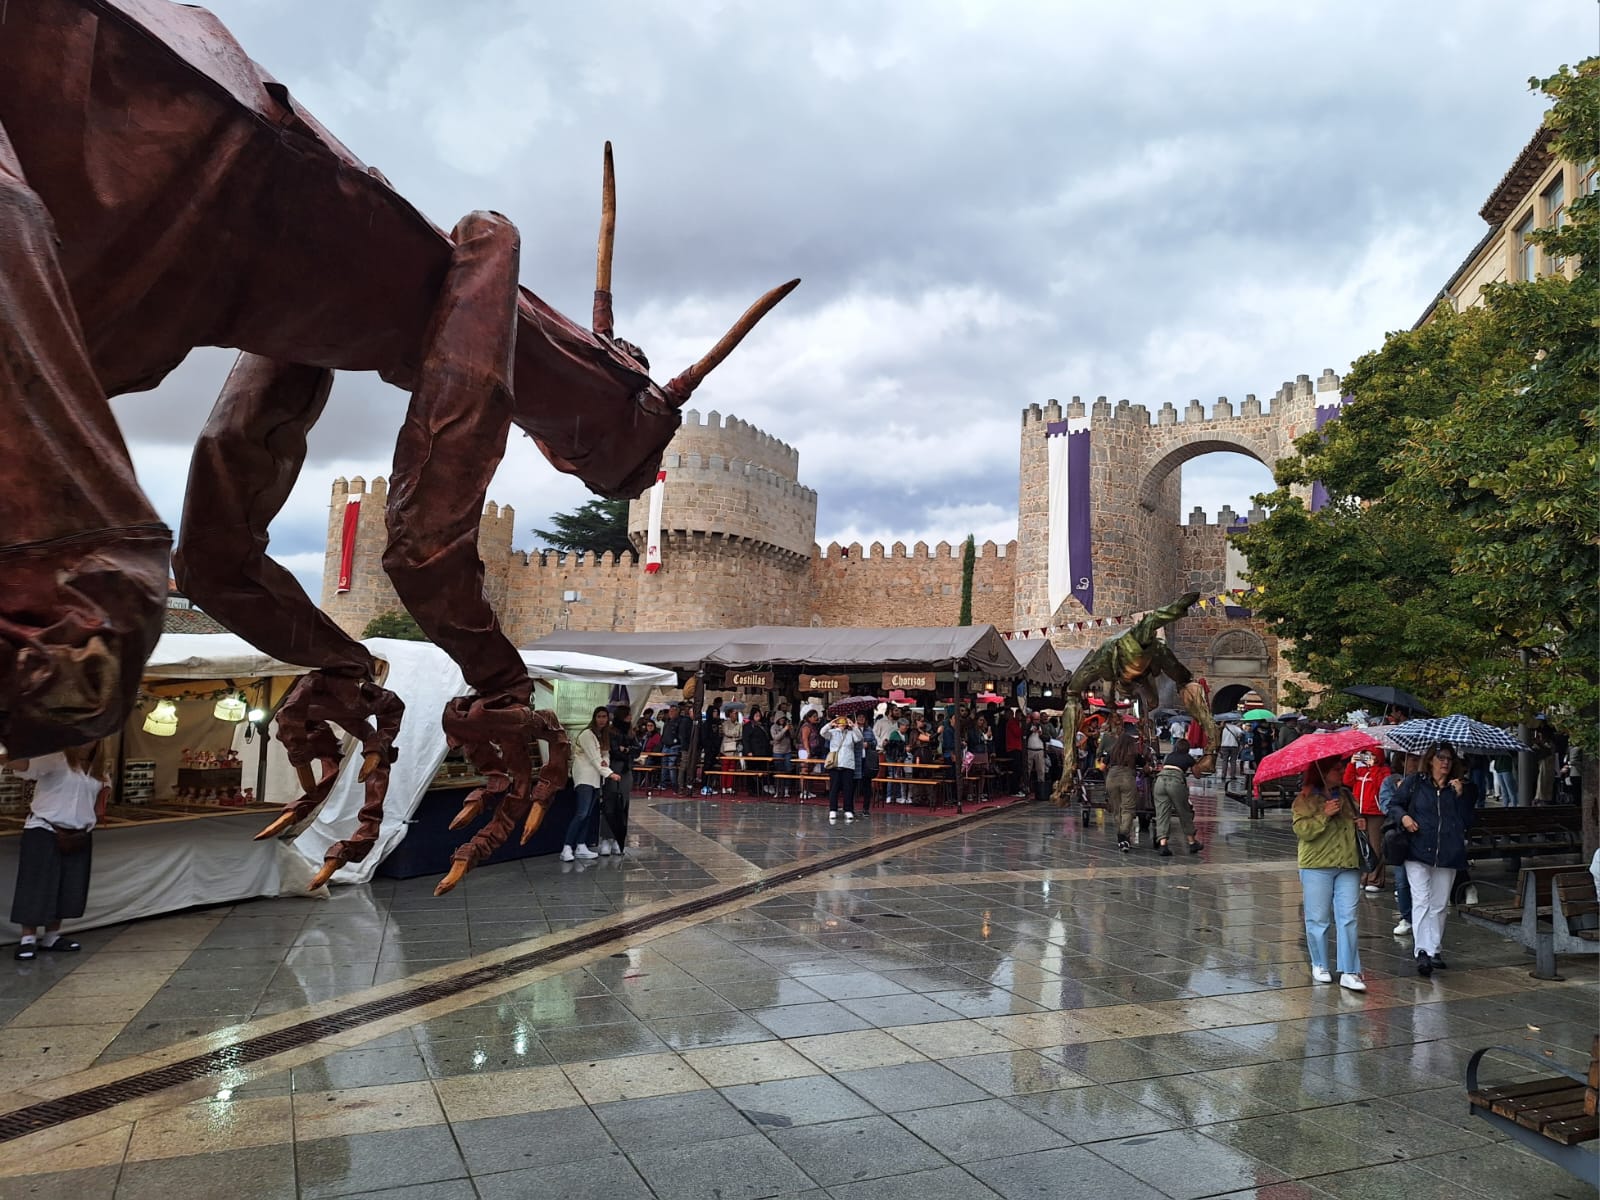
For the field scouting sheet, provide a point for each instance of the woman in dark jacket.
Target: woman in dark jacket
(1435, 807)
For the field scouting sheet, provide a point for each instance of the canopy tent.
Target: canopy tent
(212, 656)
(683, 651)
(425, 677)
(976, 648)
(1040, 661)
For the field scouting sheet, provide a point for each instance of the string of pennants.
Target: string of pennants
(1224, 600)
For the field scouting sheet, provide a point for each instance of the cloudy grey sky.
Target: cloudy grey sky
(991, 204)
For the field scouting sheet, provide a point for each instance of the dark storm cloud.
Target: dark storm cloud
(990, 204)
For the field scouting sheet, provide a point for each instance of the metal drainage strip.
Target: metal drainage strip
(90, 1101)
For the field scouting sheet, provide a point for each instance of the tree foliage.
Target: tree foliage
(592, 528)
(969, 562)
(395, 624)
(1457, 556)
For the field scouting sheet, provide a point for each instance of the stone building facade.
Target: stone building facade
(739, 548)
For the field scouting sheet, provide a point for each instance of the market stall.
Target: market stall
(426, 788)
(185, 775)
(194, 778)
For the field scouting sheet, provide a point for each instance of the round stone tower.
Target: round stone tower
(737, 531)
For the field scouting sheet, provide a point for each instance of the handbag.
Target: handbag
(1365, 854)
(1396, 844)
(70, 841)
(831, 761)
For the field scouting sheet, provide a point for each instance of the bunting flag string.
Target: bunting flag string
(1235, 599)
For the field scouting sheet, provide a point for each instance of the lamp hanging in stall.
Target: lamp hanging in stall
(231, 708)
(163, 720)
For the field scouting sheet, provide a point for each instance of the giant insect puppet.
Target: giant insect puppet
(1127, 666)
(158, 192)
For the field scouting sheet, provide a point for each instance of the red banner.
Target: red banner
(347, 543)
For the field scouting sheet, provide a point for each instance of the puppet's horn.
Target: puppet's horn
(608, 237)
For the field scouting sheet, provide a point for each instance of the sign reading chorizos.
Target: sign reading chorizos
(909, 681)
(824, 683)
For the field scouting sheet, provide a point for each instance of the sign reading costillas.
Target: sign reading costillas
(910, 681)
(750, 679)
(824, 683)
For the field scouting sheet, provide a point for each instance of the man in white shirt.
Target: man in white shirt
(1228, 750)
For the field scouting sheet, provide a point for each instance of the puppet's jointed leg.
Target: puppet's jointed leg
(245, 464)
(453, 439)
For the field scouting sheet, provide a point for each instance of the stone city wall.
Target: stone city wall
(874, 587)
(371, 594)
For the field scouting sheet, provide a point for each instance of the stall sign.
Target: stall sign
(909, 681)
(824, 683)
(750, 679)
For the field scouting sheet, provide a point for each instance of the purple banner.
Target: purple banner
(1080, 524)
(1325, 413)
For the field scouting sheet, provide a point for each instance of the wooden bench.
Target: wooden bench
(1555, 911)
(1275, 793)
(929, 788)
(1512, 833)
(1554, 1116)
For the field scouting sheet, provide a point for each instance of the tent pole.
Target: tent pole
(960, 736)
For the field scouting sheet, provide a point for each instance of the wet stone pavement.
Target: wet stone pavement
(1009, 1008)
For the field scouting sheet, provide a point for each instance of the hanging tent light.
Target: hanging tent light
(163, 720)
(231, 707)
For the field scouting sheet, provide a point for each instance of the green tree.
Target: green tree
(969, 561)
(1457, 556)
(592, 528)
(395, 624)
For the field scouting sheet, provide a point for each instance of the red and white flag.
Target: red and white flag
(652, 552)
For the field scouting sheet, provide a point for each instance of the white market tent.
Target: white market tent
(164, 867)
(425, 677)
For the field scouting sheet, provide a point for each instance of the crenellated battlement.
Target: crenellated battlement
(1301, 391)
(876, 552)
(721, 469)
(734, 440)
(1200, 523)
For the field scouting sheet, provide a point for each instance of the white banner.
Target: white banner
(652, 553)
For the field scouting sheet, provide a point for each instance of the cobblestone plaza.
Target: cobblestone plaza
(1001, 1007)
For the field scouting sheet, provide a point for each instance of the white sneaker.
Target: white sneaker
(1353, 983)
(1372, 887)
(566, 854)
(1403, 928)
(605, 847)
(583, 851)
(1320, 974)
(848, 817)
(832, 817)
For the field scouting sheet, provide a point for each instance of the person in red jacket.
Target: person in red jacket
(1364, 776)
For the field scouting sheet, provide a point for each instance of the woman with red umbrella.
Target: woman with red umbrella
(1326, 825)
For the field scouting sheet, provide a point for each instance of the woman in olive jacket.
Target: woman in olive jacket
(1436, 807)
(1326, 825)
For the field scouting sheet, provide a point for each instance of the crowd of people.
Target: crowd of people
(1009, 748)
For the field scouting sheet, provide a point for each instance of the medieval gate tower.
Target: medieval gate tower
(1137, 531)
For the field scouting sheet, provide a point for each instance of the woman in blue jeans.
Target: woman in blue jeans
(591, 767)
(1326, 826)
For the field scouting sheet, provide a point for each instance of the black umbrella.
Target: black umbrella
(1391, 696)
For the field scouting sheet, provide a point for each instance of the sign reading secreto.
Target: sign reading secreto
(750, 679)
(824, 683)
(910, 681)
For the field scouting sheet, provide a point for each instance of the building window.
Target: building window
(1586, 177)
(1527, 252)
(1555, 203)
(1555, 210)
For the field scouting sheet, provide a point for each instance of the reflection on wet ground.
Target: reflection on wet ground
(1013, 1008)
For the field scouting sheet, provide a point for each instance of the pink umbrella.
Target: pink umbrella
(1313, 747)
